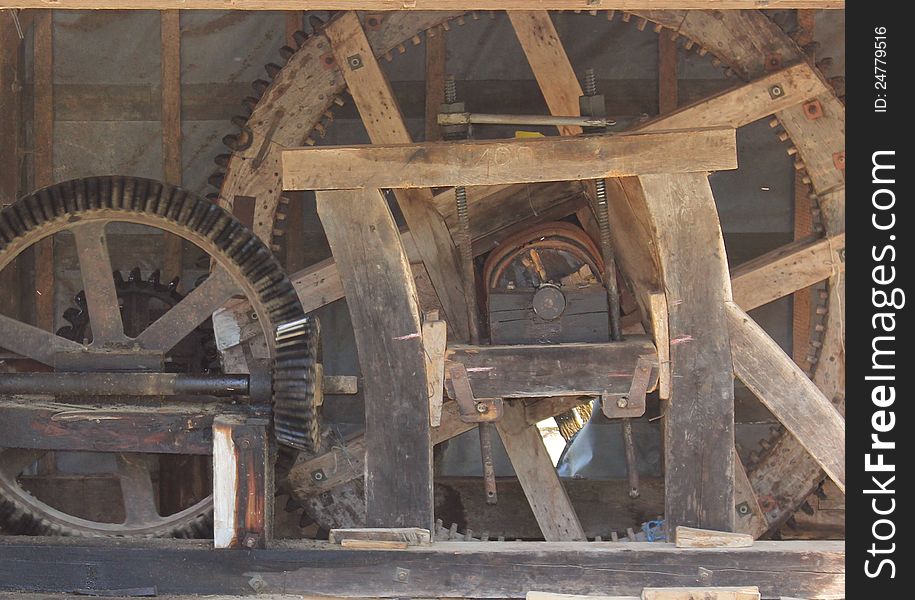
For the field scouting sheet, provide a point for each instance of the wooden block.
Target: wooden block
(691, 537)
(702, 593)
(242, 483)
(413, 536)
(532, 595)
(373, 544)
(658, 302)
(435, 339)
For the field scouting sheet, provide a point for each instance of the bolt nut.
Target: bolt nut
(354, 61)
(482, 408)
(776, 91)
(743, 508)
(257, 583)
(623, 401)
(318, 475)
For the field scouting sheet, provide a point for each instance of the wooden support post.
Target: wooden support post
(10, 145)
(436, 65)
(786, 391)
(170, 35)
(667, 73)
(385, 125)
(374, 269)
(534, 468)
(699, 420)
(43, 167)
(242, 483)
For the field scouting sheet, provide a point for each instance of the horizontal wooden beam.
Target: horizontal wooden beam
(384, 5)
(183, 428)
(496, 162)
(786, 270)
(535, 371)
(474, 569)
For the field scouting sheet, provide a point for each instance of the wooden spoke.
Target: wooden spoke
(167, 331)
(385, 125)
(35, 343)
(98, 282)
(786, 391)
(136, 489)
(786, 270)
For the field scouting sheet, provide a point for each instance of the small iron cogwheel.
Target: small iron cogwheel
(296, 389)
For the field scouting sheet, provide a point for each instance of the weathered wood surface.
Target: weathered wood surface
(787, 392)
(385, 124)
(786, 270)
(419, 5)
(539, 370)
(370, 257)
(668, 92)
(534, 468)
(699, 467)
(548, 60)
(170, 44)
(475, 569)
(435, 340)
(162, 428)
(413, 536)
(43, 159)
(691, 537)
(242, 483)
(495, 162)
(436, 65)
(702, 593)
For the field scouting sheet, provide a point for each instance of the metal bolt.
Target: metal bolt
(250, 541)
(776, 91)
(590, 83)
(257, 583)
(623, 401)
(482, 408)
(401, 575)
(318, 475)
(743, 508)
(354, 61)
(253, 316)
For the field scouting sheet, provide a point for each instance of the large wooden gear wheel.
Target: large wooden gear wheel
(295, 109)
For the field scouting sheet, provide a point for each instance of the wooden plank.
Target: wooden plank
(747, 102)
(787, 269)
(691, 537)
(423, 5)
(435, 339)
(699, 468)
(538, 477)
(475, 569)
(540, 370)
(170, 35)
(11, 78)
(385, 125)
(162, 428)
(43, 159)
(413, 536)
(667, 73)
(370, 257)
(702, 593)
(548, 60)
(661, 331)
(436, 65)
(748, 515)
(242, 483)
(787, 392)
(495, 162)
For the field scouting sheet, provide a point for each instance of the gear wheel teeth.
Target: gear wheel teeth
(300, 37)
(154, 277)
(316, 22)
(260, 86)
(296, 391)
(286, 52)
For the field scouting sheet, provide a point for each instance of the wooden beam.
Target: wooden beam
(474, 569)
(385, 125)
(374, 268)
(536, 371)
(436, 65)
(422, 5)
(548, 60)
(242, 483)
(43, 160)
(786, 391)
(170, 34)
(534, 468)
(746, 103)
(699, 468)
(786, 270)
(11, 83)
(495, 162)
(667, 73)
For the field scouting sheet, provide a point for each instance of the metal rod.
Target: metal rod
(489, 469)
(631, 466)
(467, 118)
(124, 384)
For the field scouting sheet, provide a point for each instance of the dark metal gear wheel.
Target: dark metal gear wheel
(296, 389)
(85, 207)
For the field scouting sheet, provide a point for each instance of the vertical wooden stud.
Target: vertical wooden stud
(43, 78)
(436, 61)
(170, 33)
(667, 74)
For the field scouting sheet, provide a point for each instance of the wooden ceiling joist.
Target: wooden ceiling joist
(385, 5)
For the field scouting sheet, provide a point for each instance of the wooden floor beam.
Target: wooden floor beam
(471, 569)
(387, 5)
